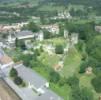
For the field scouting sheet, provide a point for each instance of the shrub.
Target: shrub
(18, 80)
(54, 76)
(83, 67)
(62, 82)
(13, 72)
(59, 49)
(96, 82)
(73, 81)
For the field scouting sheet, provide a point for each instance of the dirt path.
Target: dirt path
(6, 93)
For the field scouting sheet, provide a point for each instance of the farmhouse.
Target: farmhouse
(64, 15)
(66, 34)
(74, 38)
(39, 36)
(36, 83)
(98, 28)
(24, 34)
(50, 49)
(53, 28)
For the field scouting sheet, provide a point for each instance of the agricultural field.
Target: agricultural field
(6, 93)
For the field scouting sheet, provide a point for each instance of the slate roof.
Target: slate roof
(24, 33)
(31, 76)
(34, 78)
(49, 95)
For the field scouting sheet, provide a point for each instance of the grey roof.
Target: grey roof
(31, 76)
(24, 33)
(49, 95)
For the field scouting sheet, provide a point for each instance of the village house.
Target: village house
(34, 81)
(50, 49)
(39, 36)
(74, 38)
(19, 35)
(25, 34)
(64, 15)
(53, 28)
(14, 27)
(98, 29)
(66, 34)
(37, 84)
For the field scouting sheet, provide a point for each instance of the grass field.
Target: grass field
(50, 7)
(71, 63)
(49, 60)
(63, 91)
(71, 66)
(56, 41)
(85, 81)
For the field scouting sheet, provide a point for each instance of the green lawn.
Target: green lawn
(50, 8)
(49, 60)
(71, 63)
(63, 91)
(85, 81)
(56, 41)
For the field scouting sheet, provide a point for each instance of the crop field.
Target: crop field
(6, 93)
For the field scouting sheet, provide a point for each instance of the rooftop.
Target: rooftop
(31, 76)
(24, 33)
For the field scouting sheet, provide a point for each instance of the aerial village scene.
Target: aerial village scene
(49, 56)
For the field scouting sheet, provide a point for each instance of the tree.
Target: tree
(59, 49)
(18, 80)
(96, 82)
(16, 42)
(73, 81)
(20, 44)
(94, 48)
(37, 52)
(61, 30)
(26, 59)
(81, 94)
(54, 76)
(33, 27)
(83, 67)
(47, 34)
(13, 72)
(86, 94)
(62, 81)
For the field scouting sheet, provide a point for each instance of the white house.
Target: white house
(39, 36)
(53, 28)
(11, 38)
(50, 49)
(98, 28)
(63, 15)
(66, 34)
(74, 38)
(24, 34)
